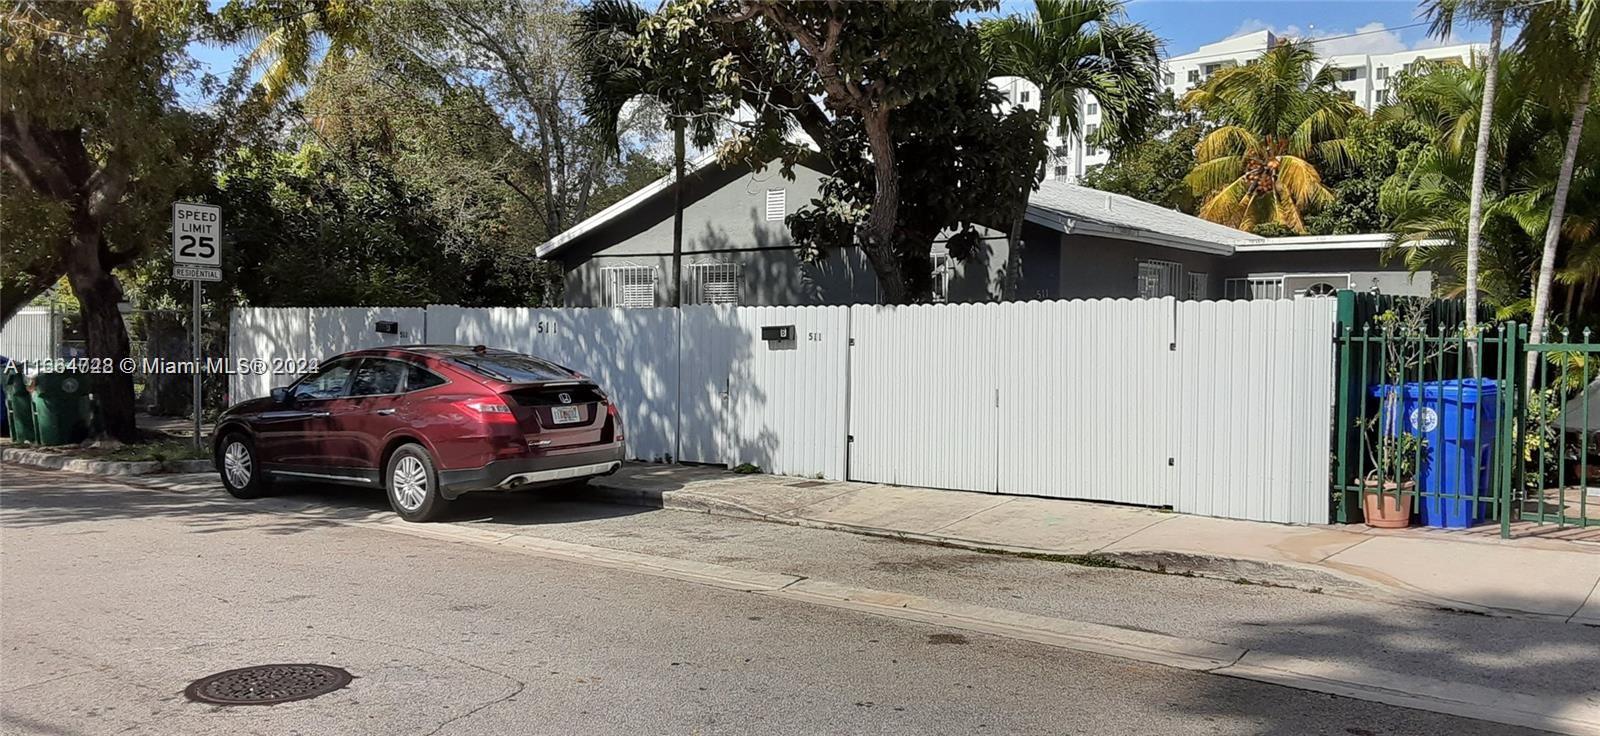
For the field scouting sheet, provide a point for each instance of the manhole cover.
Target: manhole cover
(267, 684)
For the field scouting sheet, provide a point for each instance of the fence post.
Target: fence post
(1509, 442)
(1345, 504)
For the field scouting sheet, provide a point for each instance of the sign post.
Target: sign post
(196, 257)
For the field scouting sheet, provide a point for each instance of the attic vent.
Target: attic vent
(777, 204)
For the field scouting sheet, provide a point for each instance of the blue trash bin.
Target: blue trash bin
(1457, 419)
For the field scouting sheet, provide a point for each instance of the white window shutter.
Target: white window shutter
(777, 204)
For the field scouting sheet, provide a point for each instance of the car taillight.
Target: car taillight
(493, 411)
(616, 421)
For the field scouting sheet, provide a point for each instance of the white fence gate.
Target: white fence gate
(1218, 408)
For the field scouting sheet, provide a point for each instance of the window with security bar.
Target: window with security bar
(1199, 286)
(1160, 278)
(943, 269)
(630, 286)
(713, 283)
(1269, 287)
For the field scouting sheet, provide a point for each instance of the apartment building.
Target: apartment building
(1364, 78)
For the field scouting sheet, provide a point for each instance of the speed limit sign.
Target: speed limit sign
(196, 241)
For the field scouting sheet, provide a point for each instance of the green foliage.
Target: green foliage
(1070, 47)
(894, 94)
(1153, 169)
(1376, 149)
(317, 228)
(1284, 124)
(1425, 201)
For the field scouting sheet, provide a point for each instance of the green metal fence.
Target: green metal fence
(1442, 421)
(1558, 478)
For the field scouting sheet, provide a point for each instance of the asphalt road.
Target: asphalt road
(112, 599)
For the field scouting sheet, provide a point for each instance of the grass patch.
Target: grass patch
(161, 450)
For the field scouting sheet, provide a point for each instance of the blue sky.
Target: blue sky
(1186, 24)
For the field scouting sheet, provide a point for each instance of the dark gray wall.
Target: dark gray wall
(1094, 267)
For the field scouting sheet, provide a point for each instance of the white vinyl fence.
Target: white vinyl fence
(32, 334)
(1217, 408)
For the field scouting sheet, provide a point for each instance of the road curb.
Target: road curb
(1307, 578)
(53, 461)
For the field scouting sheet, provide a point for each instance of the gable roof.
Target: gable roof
(1059, 206)
(621, 207)
(1079, 210)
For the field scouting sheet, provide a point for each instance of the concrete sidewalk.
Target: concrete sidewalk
(1542, 577)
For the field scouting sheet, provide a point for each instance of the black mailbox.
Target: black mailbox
(777, 333)
(386, 327)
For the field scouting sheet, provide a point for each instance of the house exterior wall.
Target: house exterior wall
(1366, 267)
(725, 222)
(1094, 267)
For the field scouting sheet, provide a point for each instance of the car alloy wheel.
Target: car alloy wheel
(410, 483)
(237, 465)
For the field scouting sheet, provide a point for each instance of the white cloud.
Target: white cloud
(1372, 38)
(1250, 25)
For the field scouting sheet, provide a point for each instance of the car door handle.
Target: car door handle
(320, 415)
(384, 412)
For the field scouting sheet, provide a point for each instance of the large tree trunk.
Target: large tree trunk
(1480, 164)
(878, 237)
(107, 337)
(1558, 211)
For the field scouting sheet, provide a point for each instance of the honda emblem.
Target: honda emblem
(565, 398)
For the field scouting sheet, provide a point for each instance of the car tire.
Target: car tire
(413, 484)
(240, 467)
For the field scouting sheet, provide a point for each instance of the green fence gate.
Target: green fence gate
(1443, 420)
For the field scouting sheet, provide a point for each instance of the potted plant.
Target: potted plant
(1387, 491)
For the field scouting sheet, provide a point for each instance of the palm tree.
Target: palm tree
(1070, 48)
(1443, 14)
(1561, 35)
(286, 35)
(1281, 120)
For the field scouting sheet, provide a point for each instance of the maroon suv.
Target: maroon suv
(427, 422)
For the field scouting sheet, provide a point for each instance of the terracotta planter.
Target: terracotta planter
(1383, 507)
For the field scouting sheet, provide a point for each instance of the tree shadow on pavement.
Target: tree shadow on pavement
(1557, 662)
(34, 499)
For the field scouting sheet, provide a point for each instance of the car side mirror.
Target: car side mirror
(280, 395)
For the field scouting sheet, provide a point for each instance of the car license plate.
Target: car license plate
(565, 414)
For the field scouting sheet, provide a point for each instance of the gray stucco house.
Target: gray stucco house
(1077, 243)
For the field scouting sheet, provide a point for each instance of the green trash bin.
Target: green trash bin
(19, 408)
(58, 408)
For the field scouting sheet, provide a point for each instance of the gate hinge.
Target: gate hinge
(849, 438)
(1172, 462)
(1172, 347)
(852, 342)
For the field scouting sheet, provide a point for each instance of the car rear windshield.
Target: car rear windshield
(513, 368)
